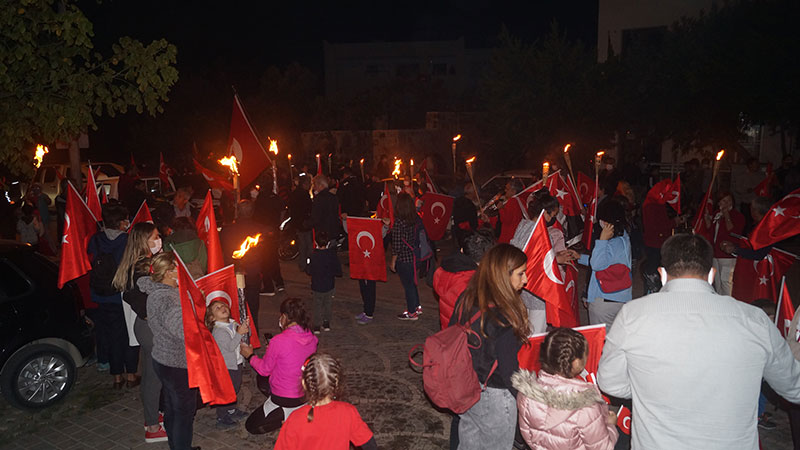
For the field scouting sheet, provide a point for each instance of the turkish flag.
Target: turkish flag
(543, 277)
(781, 222)
(245, 146)
(673, 197)
(524, 195)
(763, 188)
(571, 280)
(759, 279)
(785, 313)
(365, 246)
(700, 224)
(92, 199)
(79, 227)
(666, 192)
(436, 212)
(205, 364)
(214, 180)
(163, 174)
(595, 335)
(588, 224)
(385, 208)
(563, 193)
(207, 232)
(585, 188)
(624, 419)
(142, 215)
(221, 284)
(428, 181)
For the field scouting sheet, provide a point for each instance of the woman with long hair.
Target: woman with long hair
(143, 243)
(405, 247)
(493, 295)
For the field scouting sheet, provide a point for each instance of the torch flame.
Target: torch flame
(546, 166)
(471, 160)
(273, 145)
(601, 153)
(566, 147)
(720, 154)
(249, 241)
(290, 156)
(362, 160)
(397, 164)
(456, 137)
(231, 163)
(40, 151)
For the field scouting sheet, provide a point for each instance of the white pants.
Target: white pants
(723, 280)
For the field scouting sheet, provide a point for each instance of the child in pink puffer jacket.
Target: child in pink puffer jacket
(558, 411)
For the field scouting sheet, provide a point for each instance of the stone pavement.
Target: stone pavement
(387, 392)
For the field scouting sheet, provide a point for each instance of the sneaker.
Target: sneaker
(159, 435)
(364, 319)
(316, 330)
(226, 422)
(326, 326)
(237, 414)
(406, 316)
(103, 367)
(360, 316)
(765, 423)
(419, 310)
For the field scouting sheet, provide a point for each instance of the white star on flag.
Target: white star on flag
(366, 253)
(560, 193)
(779, 211)
(436, 220)
(762, 280)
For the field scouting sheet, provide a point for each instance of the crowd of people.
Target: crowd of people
(665, 352)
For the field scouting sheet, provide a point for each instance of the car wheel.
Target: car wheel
(37, 376)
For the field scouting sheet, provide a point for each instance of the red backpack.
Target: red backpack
(448, 376)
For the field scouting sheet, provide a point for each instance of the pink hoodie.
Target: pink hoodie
(557, 413)
(283, 362)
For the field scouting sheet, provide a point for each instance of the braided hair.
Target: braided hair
(560, 348)
(322, 379)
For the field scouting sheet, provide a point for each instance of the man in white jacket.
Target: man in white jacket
(692, 360)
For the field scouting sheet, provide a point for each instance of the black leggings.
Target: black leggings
(260, 423)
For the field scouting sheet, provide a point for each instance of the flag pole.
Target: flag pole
(780, 300)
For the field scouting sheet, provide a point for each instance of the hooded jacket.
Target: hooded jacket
(283, 362)
(112, 242)
(165, 319)
(557, 413)
(449, 281)
(191, 249)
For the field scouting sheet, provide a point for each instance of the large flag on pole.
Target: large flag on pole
(208, 233)
(559, 189)
(760, 279)
(92, 199)
(365, 246)
(221, 284)
(206, 366)
(585, 188)
(79, 226)
(243, 143)
(785, 310)
(436, 212)
(142, 215)
(543, 277)
(214, 180)
(781, 222)
(163, 174)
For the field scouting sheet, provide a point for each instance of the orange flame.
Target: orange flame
(720, 154)
(290, 156)
(471, 160)
(397, 164)
(566, 147)
(40, 151)
(362, 161)
(546, 166)
(231, 163)
(273, 145)
(456, 137)
(249, 242)
(601, 153)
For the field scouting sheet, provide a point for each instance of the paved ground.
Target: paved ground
(387, 392)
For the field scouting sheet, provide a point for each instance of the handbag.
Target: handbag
(614, 278)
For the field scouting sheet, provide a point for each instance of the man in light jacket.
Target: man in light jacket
(692, 360)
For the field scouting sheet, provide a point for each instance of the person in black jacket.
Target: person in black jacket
(351, 194)
(269, 214)
(465, 214)
(300, 212)
(325, 209)
(324, 266)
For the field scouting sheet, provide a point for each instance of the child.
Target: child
(325, 422)
(770, 309)
(324, 266)
(228, 335)
(557, 410)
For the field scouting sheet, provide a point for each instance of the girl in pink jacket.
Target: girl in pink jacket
(558, 411)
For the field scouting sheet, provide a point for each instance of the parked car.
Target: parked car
(497, 183)
(44, 335)
(107, 175)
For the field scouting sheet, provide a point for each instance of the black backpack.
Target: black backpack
(104, 266)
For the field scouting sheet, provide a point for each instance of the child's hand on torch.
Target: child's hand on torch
(245, 350)
(244, 327)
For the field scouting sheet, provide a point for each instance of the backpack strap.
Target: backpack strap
(491, 371)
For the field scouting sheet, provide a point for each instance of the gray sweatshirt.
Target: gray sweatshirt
(166, 322)
(228, 341)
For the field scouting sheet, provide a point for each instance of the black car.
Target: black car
(44, 335)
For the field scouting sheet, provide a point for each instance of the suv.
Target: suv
(44, 335)
(49, 176)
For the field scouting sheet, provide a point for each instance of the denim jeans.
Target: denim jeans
(408, 278)
(180, 404)
(490, 423)
(368, 295)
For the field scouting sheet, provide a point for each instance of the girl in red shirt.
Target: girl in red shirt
(325, 422)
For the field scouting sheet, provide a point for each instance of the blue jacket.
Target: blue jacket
(616, 250)
(324, 266)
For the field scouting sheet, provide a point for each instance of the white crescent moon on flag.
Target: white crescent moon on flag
(236, 149)
(570, 285)
(207, 224)
(674, 200)
(66, 229)
(793, 196)
(548, 266)
(767, 258)
(218, 294)
(208, 178)
(366, 234)
(383, 199)
(437, 205)
(584, 187)
(626, 422)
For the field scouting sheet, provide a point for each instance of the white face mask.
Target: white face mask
(254, 193)
(156, 246)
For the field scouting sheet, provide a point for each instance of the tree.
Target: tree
(54, 85)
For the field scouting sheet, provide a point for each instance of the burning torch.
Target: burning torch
(248, 243)
(455, 140)
(472, 178)
(273, 147)
(232, 165)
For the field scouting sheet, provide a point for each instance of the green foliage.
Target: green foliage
(54, 85)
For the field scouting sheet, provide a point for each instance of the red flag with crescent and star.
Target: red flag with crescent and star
(142, 215)
(585, 188)
(785, 310)
(214, 180)
(666, 192)
(760, 279)
(436, 212)
(385, 208)
(543, 277)
(563, 193)
(781, 222)
(79, 227)
(206, 366)
(245, 146)
(207, 232)
(365, 246)
(221, 285)
(164, 174)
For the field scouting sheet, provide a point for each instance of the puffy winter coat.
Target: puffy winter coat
(557, 413)
(449, 281)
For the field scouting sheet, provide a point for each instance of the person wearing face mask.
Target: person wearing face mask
(492, 307)
(610, 282)
(693, 360)
(143, 243)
